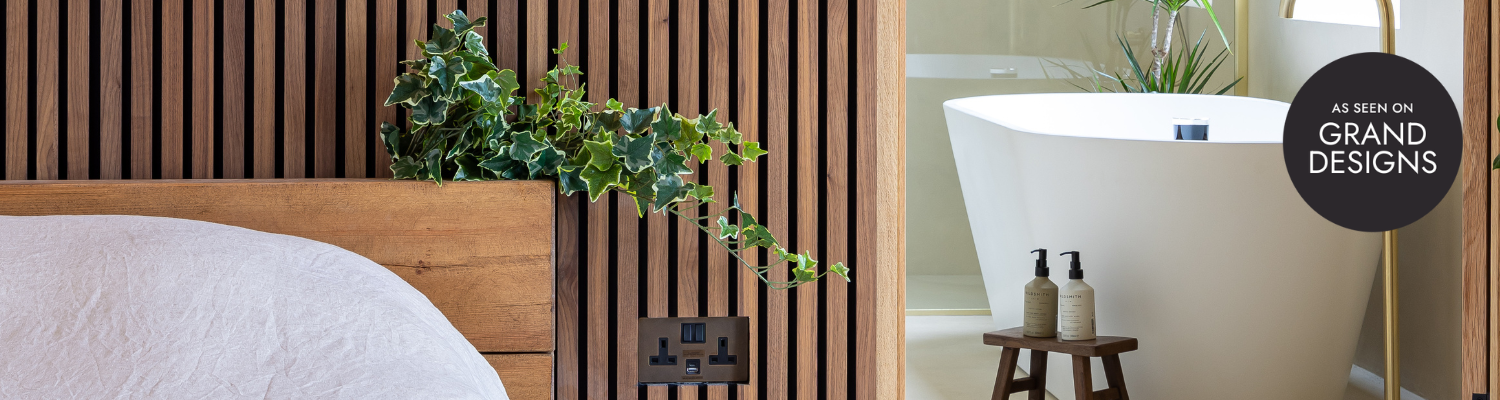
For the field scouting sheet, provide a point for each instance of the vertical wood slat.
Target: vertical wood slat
(16, 76)
(141, 51)
(111, 88)
(569, 325)
(416, 29)
(356, 133)
(1478, 101)
(717, 60)
(171, 119)
(234, 107)
(808, 183)
(481, 9)
(536, 47)
(658, 70)
(443, 8)
(835, 356)
(778, 27)
(385, 75)
(265, 90)
(46, 76)
(79, 83)
(326, 116)
(628, 267)
(293, 89)
(864, 160)
(687, 104)
(748, 93)
(507, 24)
(203, 89)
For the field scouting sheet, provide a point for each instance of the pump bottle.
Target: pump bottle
(1040, 315)
(1076, 307)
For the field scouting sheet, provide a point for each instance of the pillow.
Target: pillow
(144, 307)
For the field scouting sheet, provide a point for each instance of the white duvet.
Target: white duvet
(110, 307)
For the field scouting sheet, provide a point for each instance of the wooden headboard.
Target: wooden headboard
(481, 251)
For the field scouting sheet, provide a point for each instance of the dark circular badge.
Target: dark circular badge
(1372, 142)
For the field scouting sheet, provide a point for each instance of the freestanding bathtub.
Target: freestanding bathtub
(1202, 250)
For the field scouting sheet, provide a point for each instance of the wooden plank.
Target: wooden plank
(536, 47)
(172, 111)
(890, 202)
(527, 376)
(204, 114)
(233, 148)
(658, 70)
(386, 60)
(416, 29)
(778, 196)
(326, 115)
(79, 83)
(443, 8)
(293, 89)
(48, 70)
(567, 29)
(808, 183)
(265, 90)
(492, 280)
(864, 161)
(569, 326)
(836, 121)
(717, 95)
(141, 86)
(356, 133)
(628, 267)
(111, 88)
(688, 258)
(481, 9)
(507, 35)
(17, 28)
(1476, 195)
(748, 93)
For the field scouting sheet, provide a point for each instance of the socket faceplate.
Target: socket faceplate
(705, 350)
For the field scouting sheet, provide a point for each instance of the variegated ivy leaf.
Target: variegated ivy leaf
(731, 159)
(547, 162)
(614, 105)
(635, 121)
(409, 88)
(525, 146)
(429, 111)
(434, 167)
(757, 236)
(485, 87)
(702, 151)
(635, 151)
(391, 135)
(840, 270)
(600, 180)
(731, 135)
(703, 193)
(569, 182)
(405, 168)
(601, 154)
(669, 189)
(443, 40)
(806, 270)
(690, 133)
(461, 21)
(468, 169)
(728, 230)
(708, 125)
(507, 81)
(672, 164)
(665, 127)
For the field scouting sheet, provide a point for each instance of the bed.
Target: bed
(481, 252)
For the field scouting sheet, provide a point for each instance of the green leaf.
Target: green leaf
(666, 127)
(637, 152)
(525, 146)
(507, 80)
(708, 125)
(391, 135)
(840, 270)
(703, 193)
(756, 235)
(728, 230)
(731, 159)
(560, 48)
(481, 62)
(669, 190)
(600, 180)
(429, 111)
(405, 168)
(614, 105)
(702, 151)
(806, 270)
(602, 155)
(569, 182)
(409, 88)
(485, 87)
(547, 162)
(635, 121)
(468, 169)
(608, 120)
(731, 135)
(749, 151)
(461, 22)
(443, 40)
(672, 164)
(690, 134)
(435, 165)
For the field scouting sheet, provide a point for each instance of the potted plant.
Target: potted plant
(467, 124)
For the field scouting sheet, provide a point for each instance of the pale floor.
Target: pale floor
(946, 357)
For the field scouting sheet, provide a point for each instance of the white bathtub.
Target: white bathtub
(1202, 250)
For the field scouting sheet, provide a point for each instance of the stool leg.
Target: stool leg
(1083, 379)
(1115, 375)
(1006, 377)
(1038, 375)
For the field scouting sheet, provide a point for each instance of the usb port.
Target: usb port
(692, 366)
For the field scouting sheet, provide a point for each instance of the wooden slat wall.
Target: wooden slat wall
(1479, 213)
(145, 89)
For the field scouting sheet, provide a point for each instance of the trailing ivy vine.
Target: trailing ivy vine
(466, 124)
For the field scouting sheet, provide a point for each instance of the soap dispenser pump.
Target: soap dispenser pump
(1076, 307)
(1040, 314)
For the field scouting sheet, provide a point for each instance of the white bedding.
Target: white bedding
(99, 307)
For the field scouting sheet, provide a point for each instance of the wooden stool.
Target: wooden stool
(1106, 347)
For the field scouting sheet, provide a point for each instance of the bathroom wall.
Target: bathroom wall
(1032, 33)
(1283, 54)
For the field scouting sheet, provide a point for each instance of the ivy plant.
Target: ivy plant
(468, 124)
